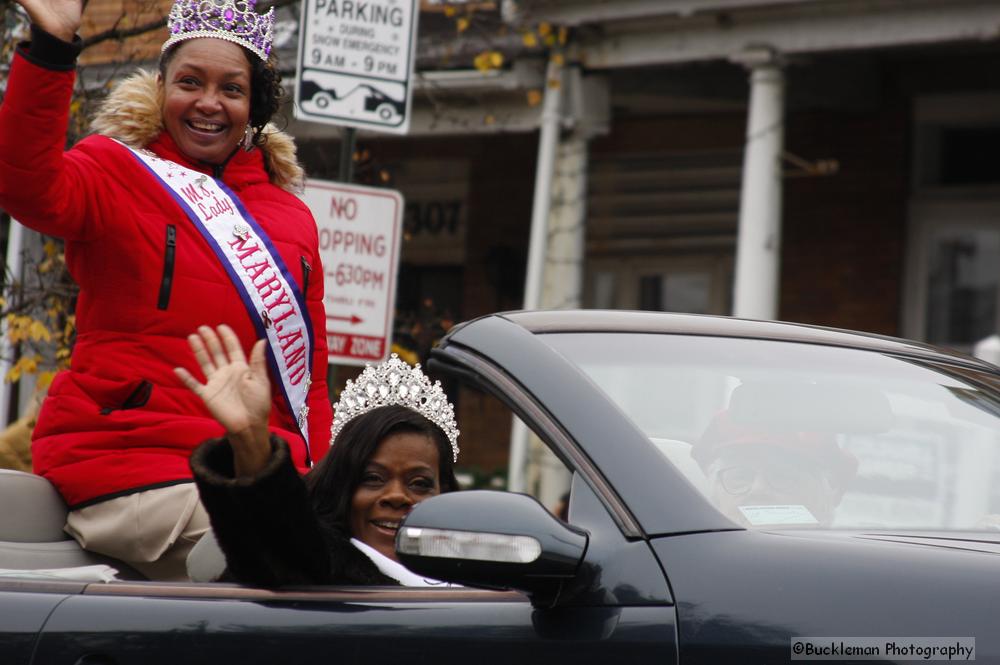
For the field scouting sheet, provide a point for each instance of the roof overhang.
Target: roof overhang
(631, 33)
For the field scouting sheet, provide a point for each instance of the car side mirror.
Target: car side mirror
(490, 539)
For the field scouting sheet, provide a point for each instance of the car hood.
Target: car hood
(759, 589)
(973, 541)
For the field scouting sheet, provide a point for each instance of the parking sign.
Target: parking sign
(355, 63)
(360, 232)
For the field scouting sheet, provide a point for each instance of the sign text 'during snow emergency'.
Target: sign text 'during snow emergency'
(355, 63)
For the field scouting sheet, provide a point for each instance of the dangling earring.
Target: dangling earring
(247, 141)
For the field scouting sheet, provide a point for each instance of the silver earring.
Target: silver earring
(247, 141)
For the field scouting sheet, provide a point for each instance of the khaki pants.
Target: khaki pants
(152, 531)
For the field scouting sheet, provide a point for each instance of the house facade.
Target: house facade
(820, 161)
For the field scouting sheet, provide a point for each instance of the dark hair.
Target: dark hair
(332, 482)
(266, 93)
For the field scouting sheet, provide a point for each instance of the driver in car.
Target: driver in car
(769, 477)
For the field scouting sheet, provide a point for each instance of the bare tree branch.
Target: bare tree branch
(124, 33)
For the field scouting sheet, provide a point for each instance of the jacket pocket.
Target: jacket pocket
(138, 397)
(166, 282)
(306, 271)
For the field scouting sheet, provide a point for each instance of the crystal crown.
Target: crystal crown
(394, 382)
(232, 20)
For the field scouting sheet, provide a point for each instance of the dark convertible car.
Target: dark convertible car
(742, 492)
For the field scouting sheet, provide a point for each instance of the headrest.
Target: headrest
(31, 510)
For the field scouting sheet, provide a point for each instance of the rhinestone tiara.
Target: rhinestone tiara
(394, 382)
(232, 20)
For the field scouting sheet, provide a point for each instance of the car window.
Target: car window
(780, 434)
(486, 425)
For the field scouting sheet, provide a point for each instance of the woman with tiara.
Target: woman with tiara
(179, 210)
(394, 444)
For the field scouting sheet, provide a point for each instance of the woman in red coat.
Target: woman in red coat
(177, 212)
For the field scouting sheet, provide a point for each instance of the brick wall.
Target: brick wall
(844, 235)
(103, 15)
(672, 133)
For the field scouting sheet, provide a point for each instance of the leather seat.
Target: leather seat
(31, 528)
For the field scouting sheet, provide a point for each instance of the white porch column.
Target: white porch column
(548, 142)
(576, 109)
(562, 288)
(21, 241)
(758, 251)
(15, 244)
(562, 283)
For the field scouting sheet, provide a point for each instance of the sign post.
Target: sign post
(360, 233)
(355, 63)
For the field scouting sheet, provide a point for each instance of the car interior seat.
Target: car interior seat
(31, 529)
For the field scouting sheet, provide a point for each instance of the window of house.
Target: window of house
(953, 285)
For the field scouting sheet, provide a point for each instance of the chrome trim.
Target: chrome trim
(381, 594)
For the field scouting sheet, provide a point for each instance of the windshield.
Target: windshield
(781, 434)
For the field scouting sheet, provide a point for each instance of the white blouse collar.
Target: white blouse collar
(396, 570)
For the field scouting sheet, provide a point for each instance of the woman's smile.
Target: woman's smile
(389, 528)
(402, 472)
(204, 126)
(206, 104)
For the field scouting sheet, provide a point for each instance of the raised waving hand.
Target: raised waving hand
(59, 18)
(236, 392)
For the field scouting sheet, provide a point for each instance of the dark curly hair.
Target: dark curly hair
(266, 92)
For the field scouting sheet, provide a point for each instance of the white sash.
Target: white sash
(272, 298)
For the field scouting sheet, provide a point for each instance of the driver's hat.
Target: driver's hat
(722, 435)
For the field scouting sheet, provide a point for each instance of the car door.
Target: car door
(620, 609)
(24, 607)
(153, 624)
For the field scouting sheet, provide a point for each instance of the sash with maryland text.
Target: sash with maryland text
(272, 298)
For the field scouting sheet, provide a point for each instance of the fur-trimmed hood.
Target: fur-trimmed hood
(132, 114)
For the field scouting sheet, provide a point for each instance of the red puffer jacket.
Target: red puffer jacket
(119, 420)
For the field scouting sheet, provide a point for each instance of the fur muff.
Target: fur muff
(267, 528)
